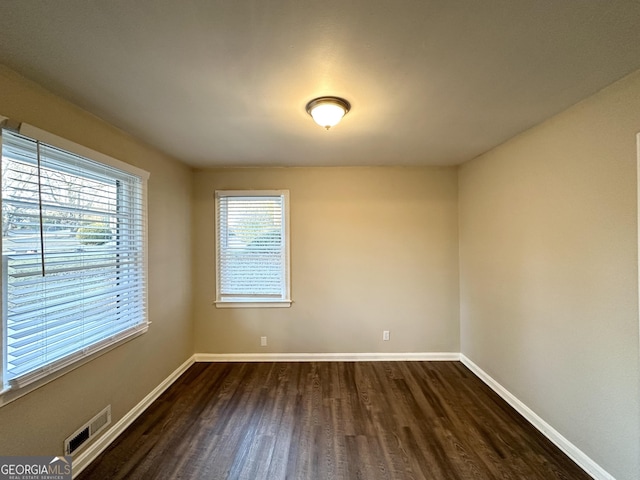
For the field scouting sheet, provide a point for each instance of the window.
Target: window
(252, 248)
(73, 254)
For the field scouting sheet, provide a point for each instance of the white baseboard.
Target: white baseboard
(573, 452)
(91, 453)
(326, 357)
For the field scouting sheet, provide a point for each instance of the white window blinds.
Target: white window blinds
(252, 248)
(73, 257)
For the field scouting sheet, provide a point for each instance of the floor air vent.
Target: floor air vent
(87, 431)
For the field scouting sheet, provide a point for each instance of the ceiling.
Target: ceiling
(223, 82)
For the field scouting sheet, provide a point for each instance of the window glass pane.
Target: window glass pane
(252, 246)
(73, 259)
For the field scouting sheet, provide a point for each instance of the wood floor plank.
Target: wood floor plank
(331, 421)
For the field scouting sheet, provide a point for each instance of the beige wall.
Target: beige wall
(39, 422)
(549, 277)
(372, 249)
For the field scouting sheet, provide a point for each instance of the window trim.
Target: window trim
(11, 393)
(259, 302)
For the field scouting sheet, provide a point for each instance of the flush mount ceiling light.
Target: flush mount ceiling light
(328, 111)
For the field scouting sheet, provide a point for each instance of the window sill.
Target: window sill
(10, 394)
(252, 304)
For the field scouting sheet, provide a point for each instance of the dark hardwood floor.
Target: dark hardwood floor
(364, 420)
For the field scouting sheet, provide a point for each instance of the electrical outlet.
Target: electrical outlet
(263, 341)
(385, 335)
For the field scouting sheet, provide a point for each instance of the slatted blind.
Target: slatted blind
(252, 250)
(73, 261)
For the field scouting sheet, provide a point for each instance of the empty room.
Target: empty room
(320, 240)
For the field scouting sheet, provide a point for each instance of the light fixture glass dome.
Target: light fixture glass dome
(328, 111)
